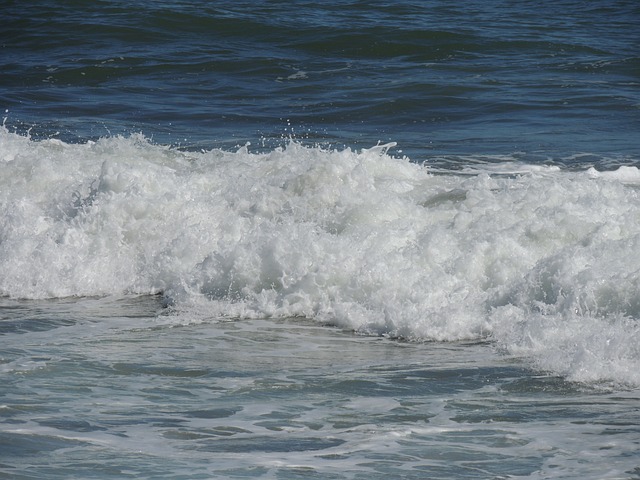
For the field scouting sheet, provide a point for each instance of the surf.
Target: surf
(538, 260)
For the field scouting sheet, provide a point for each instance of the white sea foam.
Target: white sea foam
(541, 260)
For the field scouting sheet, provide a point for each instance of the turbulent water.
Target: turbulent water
(319, 240)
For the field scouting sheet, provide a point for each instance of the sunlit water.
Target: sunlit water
(319, 240)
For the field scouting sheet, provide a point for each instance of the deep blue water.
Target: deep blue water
(546, 80)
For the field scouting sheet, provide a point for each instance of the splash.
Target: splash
(540, 260)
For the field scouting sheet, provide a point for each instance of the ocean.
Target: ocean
(335, 240)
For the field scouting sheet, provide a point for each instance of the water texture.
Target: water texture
(548, 79)
(326, 240)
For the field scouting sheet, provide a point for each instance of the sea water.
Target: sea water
(307, 312)
(319, 240)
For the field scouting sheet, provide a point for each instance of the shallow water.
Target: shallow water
(136, 396)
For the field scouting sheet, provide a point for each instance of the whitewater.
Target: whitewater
(540, 261)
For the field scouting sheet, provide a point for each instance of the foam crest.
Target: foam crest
(540, 260)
